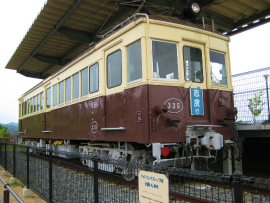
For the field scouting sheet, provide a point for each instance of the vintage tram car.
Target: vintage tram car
(152, 86)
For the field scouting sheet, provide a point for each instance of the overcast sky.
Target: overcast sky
(249, 50)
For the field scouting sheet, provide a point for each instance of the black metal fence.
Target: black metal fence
(67, 180)
(249, 86)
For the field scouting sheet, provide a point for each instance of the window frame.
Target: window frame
(48, 98)
(59, 95)
(121, 68)
(53, 95)
(218, 83)
(81, 80)
(38, 102)
(202, 63)
(72, 87)
(35, 104)
(66, 90)
(41, 101)
(178, 65)
(25, 108)
(139, 79)
(90, 78)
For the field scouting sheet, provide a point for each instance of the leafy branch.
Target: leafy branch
(256, 105)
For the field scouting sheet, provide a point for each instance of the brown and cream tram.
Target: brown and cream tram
(153, 86)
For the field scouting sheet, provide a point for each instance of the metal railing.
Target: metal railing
(247, 86)
(65, 179)
(7, 192)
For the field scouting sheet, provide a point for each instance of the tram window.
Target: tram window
(41, 101)
(38, 102)
(28, 106)
(32, 105)
(134, 61)
(84, 82)
(218, 68)
(61, 92)
(25, 108)
(19, 110)
(68, 89)
(114, 69)
(48, 98)
(93, 75)
(55, 95)
(165, 63)
(22, 109)
(76, 86)
(193, 64)
(35, 104)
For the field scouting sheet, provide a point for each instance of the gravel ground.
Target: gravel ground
(72, 186)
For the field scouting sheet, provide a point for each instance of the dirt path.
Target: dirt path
(18, 189)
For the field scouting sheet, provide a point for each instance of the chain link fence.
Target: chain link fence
(251, 96)
(58, 179)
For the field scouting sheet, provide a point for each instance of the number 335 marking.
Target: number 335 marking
(174, 105)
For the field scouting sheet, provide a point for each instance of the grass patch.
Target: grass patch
(16, 184)
(9, 176)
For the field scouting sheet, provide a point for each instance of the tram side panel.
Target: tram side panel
(170, 97)
(32, 126)
(222, 108)
(136, 115)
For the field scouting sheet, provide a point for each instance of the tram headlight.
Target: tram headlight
(192, 10)
(195, 8)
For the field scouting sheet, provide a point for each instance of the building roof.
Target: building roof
(65, 28)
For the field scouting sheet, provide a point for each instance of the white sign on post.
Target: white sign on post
(153, 187)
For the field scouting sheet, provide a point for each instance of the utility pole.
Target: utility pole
(266, 80)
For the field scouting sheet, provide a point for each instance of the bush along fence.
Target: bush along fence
(60, 177)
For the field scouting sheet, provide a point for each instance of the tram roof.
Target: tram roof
(65, 28)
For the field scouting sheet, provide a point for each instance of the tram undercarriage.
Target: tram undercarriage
(202, 143)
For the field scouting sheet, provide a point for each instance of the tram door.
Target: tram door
(114, 99)
(195, 72)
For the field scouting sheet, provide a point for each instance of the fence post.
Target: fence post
(27, 167)
(50, 176)
(14, 161)
(5, 156)
(6, 196)
(96, 180)
(1, 153)
(266, 79)
(237, 186)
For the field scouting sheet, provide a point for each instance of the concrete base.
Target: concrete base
(227, 164)
(238, 164)
(27, 192)
(5, 173)
(13, 180)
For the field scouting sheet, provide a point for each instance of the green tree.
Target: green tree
(3, 131)
(256, 105)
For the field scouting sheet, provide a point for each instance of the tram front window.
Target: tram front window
(193, 64)
(165, 63)
(218, 68)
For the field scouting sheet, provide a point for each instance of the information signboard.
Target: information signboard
(196, 101)
(153, 187)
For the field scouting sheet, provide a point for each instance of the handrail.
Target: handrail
(11, 191)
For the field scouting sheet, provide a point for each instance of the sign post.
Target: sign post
(153, 187)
